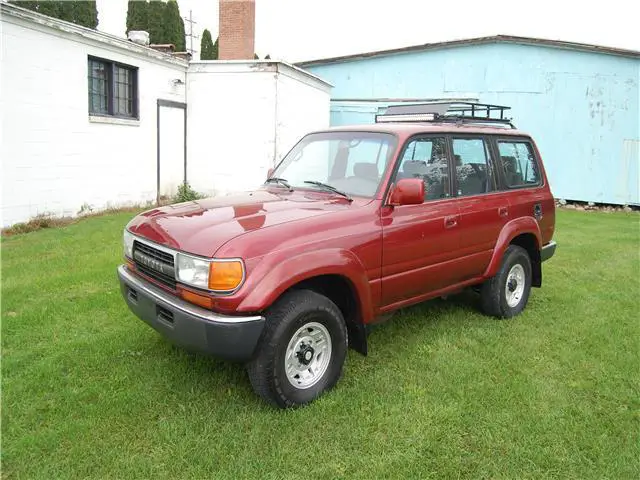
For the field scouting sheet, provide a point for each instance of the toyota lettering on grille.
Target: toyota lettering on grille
(153, 263)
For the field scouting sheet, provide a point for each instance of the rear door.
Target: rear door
(420, 242)
(484, 209)
(519, 167)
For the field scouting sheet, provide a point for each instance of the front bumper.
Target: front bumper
(190, 326)
(548, 250)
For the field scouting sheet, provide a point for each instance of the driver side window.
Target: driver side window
(426, 158)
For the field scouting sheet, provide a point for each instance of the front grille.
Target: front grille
(154, 263)
(164, 257)
(157, 276)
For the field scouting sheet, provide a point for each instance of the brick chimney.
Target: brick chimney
(237, 29)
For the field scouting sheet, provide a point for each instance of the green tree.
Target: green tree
(137, 15)
(208, 51)
(173, 25)
(82, 12)
(51, 9)
(155, 22)
(216, 48)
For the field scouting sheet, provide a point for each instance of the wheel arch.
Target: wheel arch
(341, 291)
(524, 232)
(338, 274)
(529, 242)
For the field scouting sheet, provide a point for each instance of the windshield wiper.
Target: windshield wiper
(280, 181)
(330, 188)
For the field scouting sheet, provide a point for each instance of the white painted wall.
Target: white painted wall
(231, 125)
(244, 117)
(54, 158)
(302, 107)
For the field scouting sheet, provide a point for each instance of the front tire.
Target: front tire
(507, 293)
(302, 350)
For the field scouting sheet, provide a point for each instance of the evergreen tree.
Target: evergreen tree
(137, 15)
(181, 46)
(268, 57)
(216, 47)
(158, 34)
(31, 5)
(207, 47)
(82, 12)
(51, 9)
(173, 25)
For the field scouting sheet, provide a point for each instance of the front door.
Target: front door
(420, 242)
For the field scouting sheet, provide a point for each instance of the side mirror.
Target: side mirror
(269, 173)
(407, 191)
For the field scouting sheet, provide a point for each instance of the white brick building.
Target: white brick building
(91, 119)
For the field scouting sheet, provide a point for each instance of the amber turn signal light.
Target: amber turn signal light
(225, 275)
(196, 299)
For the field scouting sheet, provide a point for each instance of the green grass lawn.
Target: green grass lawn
(89, 391)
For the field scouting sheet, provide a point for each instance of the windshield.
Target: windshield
(351, 162)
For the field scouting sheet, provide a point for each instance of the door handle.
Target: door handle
(503, 211)
(451, 221)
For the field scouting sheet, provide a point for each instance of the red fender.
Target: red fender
(511, 230)
(280, 274)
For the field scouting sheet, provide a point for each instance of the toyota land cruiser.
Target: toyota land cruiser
(354, 223)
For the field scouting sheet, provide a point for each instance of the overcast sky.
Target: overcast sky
(295, 30)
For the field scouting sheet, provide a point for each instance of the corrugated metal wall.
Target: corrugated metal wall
(582, 108)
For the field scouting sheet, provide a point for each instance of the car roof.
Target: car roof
(408, 129)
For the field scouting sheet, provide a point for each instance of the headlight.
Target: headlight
(217, 275)
(193, 271)
(128, 244)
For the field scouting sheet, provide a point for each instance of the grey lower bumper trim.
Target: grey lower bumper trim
(160, 296)
(548, 250)
(192, 327)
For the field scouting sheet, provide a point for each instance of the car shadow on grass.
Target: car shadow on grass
(190, 375)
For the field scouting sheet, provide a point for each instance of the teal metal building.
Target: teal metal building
(580, 102)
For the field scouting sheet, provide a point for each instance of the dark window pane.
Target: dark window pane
(472, 166)
(111, 88)
(425, 158)
(98, 86)
(124, 91)
(518, 164)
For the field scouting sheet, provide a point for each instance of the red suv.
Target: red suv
(354, 223)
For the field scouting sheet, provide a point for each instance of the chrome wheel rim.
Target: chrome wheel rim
(308, 355)
(514, 288)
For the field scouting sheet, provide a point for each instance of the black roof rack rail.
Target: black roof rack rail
(438, 112)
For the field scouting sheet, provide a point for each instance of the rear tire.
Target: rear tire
(302, 350)
(507, 293)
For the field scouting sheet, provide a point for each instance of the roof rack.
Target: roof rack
(458, 112)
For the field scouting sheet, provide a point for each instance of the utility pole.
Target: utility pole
(191, 36)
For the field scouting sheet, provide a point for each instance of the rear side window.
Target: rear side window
(518, 164)
(426, 159)
(471, 159)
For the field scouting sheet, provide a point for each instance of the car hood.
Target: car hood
(201, 227)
